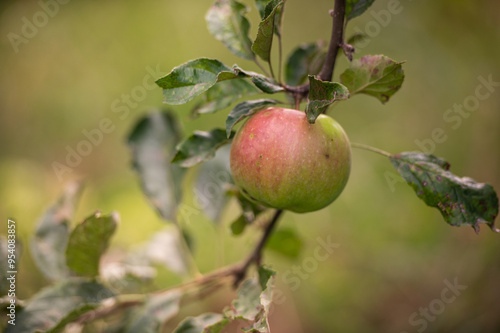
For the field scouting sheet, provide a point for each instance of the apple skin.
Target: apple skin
(281, 161)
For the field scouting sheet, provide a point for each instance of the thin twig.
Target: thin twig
(370, 148)
(271, 70)
(256, 255)
(262, 68)
(107, 310)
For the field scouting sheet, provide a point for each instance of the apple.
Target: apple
(281, 161)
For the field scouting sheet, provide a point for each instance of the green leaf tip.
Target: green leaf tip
(355, 8)
(461, 201)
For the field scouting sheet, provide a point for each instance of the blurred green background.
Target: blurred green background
(394, 253)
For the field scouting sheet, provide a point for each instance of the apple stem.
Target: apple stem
(256, 255)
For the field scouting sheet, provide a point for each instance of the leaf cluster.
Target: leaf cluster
(85, 289)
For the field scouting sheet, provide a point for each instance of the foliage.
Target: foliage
(82, 293)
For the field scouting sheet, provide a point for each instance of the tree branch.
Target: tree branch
(336, 40)
(256, 255)
(238, 271)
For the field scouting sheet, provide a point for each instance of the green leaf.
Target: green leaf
(250, 212)
(304, 60)
(238, 226)
(247, 305)
(461, 201)
(254, 301)
(261, 7)
(226, 21)
(205, 323)
(246, 109)
(152, 143)
(348, 48)
(157, 310)
(200, 146)
(374, 75)
(266, 279)
(88, 241)
(285, 242)
(53, 307)
(211, 183)
(264, 40)
(278, 13)
(193, 78)
(321, 95)
(356, 38)
(354, 8)
(265, 84)
(51, 236)
(223, 94)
